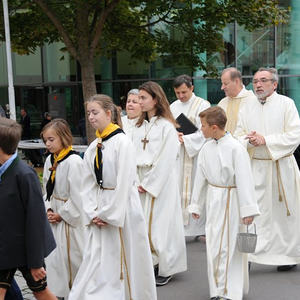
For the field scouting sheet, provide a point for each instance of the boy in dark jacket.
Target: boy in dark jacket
(25, 235)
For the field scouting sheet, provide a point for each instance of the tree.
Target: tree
(179, 30)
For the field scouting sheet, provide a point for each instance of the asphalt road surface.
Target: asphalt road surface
(265, 282)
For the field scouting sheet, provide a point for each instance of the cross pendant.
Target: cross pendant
(144, 141)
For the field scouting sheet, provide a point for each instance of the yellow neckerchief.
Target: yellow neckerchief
(58, 158)
(101, 135)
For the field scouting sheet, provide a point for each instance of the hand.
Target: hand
(97, 221)
(38, 274)
(141, 189)
(195, 216)
(255, 139)
(180, 137)
(248, 220)
(53, 217)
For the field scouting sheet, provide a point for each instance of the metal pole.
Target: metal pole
(11, 91)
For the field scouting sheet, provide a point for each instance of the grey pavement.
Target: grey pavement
(265, 281)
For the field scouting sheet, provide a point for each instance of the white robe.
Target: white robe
(128, 126)
(221, 164)
(191, 147)
(158, 176)
(99, 276)
(232, 107)
(67, 187)
(278, 121)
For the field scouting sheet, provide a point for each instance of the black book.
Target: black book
(186, 125)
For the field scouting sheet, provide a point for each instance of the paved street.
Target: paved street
(265, 282)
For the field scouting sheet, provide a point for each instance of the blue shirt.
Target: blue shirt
(4, 167)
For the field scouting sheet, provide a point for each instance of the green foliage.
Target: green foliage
(179, 31)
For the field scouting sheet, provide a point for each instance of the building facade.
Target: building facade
(50, 80)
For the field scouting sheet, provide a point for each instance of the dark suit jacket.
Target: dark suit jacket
(297, 156)
(26, 131)
(25, 234)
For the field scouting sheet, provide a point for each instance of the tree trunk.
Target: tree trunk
(88, 89)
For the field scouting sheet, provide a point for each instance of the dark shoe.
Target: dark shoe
(155, 270)
(201, 238)
(160, 280)
(285, 268)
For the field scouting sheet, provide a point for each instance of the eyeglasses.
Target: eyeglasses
(262, 80)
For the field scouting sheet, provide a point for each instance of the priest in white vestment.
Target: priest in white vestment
(269, 127)
(236, 96)
(224, 187)
(190, 105)
(133, 111)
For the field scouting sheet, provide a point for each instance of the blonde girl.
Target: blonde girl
(117, 260)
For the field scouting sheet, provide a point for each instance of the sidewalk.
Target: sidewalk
(27, 294)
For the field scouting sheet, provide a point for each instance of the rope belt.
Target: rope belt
(150, 227)
(59, 199)
(107, 188)
(123, 257)
(226, 218)
(281, 190)
(67, 233)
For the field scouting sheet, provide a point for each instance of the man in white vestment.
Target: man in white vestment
(270, 129)
(236, 95)
(190, 105)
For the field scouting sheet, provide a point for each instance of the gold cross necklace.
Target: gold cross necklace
(145, 141)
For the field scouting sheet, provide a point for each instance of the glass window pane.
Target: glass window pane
(290, 87)
(288, 39)
(27, 68)
(129, 68)
(226, 58)
(255, 49)
(58, 65)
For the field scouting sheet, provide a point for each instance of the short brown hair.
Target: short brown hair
(182, 79)
(10, 135)
(214, 116)
(62, 129)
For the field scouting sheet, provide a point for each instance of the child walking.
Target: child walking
(117, 259)
(62, 182)
(224, 187)
(26, 237)
(156, 142)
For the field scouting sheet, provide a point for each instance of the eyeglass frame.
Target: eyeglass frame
(262, 80)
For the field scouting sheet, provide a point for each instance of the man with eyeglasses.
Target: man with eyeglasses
(236, 95)
(270, 129)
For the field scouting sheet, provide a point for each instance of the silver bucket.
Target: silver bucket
(247, 241)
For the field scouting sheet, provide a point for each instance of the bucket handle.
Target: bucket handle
(254, 228)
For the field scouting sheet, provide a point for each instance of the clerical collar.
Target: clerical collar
(5, 166)
(226, 133)
(193, 96)
(188, 101)
(268, 99)
(241, 93)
